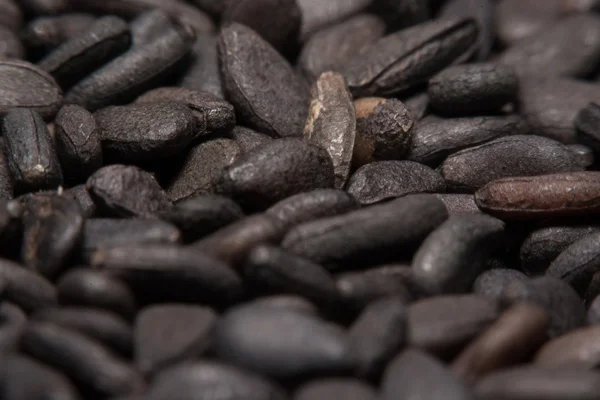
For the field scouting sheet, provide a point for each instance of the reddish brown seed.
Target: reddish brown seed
(580, 347)
(512, 338)
(575, 193)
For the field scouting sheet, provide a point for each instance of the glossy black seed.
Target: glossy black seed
(123, 190)
(32, 158)
(267, 93)
(275, 171)
(105, 39)
(384, 180)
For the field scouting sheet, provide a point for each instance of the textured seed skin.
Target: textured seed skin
(312, 205)
(213, 114)
(77, 142)
(26, 288)
(248, 139)
(201, 168)
(32, 159)
(123, 190)
(472, 168)
(528, 197)
(416, 374)
(327, 388)
(105, 39)
(493, 282)
(518, 332)
(433, 140)
(579, 347)
(377, 335)
(573, 49)
(331, 122)
(143, 132)
(442, 325)
(578, 263)
(171, 333)
(383, 180)
(53, 226)
(275, 171)
(267, 93)
(368, 235)
(542, 246)
(203, 72)
(383, 130)
(281, 344)
(317, 15)
(202, 215)
(158, 268)
(459, 203)
(83, 359)
(22, 84)
(127, 76)
(88, 288)
(454, 254)
(339, 42)
(200, 380)
(473, 88)
(402, 60)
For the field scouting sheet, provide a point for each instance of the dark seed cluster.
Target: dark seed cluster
(299, 200)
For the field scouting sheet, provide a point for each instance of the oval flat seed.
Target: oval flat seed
(95, 289)
(331, 122)
(339, 43)
(384, 180)
(518, 332)
(571, 49)
(158, 268)
(317, 15)
(383, 130)
(551, 105)
(248, 139)
(272, 270)
(103, 326)
(102, 233)
(493, 282)
(452, 256)
(443, 325)
(24, 85)
(367, 236)
(414, 374)
(126, 191)
(25, 379)
(543, 245)
(32, 158)
(171, 333)
(407, 58)
(145, 131)
(12, 325)
(105, 39)
(288, 303)
(201, 168)
(213, 114)
(312, 205)
(585, 154)
(532, 383)
(83, 359)
(233, 242)
(377, 335)
(202, 215)
(434, 140)
(267, 93)
(44, 33)
(203, 72)
(473, 88)
(328, 388)
(201, 380)
(578, 263)
(278, 22)
(275, 171)
(132, 73)
(579, 347)
(472, 168)
(26, 288)
(459, 203)
(77, 142)
(53, 226)
(10, 45)
(281, 344)
(149, 25)
(541, 196)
